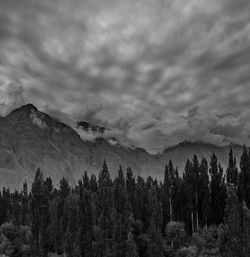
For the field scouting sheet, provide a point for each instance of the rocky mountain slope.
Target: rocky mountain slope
(30, 139)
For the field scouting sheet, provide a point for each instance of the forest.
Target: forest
(204, 212)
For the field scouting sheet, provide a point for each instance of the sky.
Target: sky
(153, 72)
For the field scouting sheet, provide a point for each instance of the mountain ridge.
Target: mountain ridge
(30, 139)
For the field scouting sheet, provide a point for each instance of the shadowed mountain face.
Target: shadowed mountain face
(30, 139)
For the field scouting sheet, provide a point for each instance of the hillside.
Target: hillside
(30, 139)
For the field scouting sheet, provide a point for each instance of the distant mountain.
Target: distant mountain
(30, 139)
(186, 150)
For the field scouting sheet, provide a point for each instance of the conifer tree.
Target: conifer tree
(141, 199)
(49, 184)
(204, 192)
(246, 229)
(85, 221)
(196, 189)
(93, 184)
(105, 209)
(177, 197)
(233, 233)
(64, 192)
(232, 170)
(130, 189)
(244, 177)
(122, 212)
(188, 179)
(71, 212)
(120, 197)
(53, 229)
(15, 210)
(40, 215)
(4, 203)
(86, 182)
(218, 191)
(167, 209)
(24, 205)
(155, 227)
(64, 188)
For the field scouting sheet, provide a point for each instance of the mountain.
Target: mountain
(30, 139)
(186, 150)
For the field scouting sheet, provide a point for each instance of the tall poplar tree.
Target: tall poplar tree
(105, 209)
(232, 170)
(40, 215)
(218, 191)
(188, 182)
(244, 177)
(204, 195)
(232, 244)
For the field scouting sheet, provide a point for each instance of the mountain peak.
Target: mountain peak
(28, 107)
(21, 114)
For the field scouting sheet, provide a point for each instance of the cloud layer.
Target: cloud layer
(155, 72)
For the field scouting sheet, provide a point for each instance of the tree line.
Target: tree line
(205, 212)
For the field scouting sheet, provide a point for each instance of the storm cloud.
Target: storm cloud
(154, 72)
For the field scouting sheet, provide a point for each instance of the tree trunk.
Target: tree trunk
(192, 220)
(170, 209)
(197, 212)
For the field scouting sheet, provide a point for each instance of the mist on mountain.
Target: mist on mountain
(30, 139)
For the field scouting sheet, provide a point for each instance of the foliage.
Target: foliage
(175, 232)
(14, 241)
(204, 213)
(190, 251)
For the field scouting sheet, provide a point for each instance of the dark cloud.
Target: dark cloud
(154, 72)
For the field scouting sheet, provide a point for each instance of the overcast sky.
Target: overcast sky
(155, 72)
